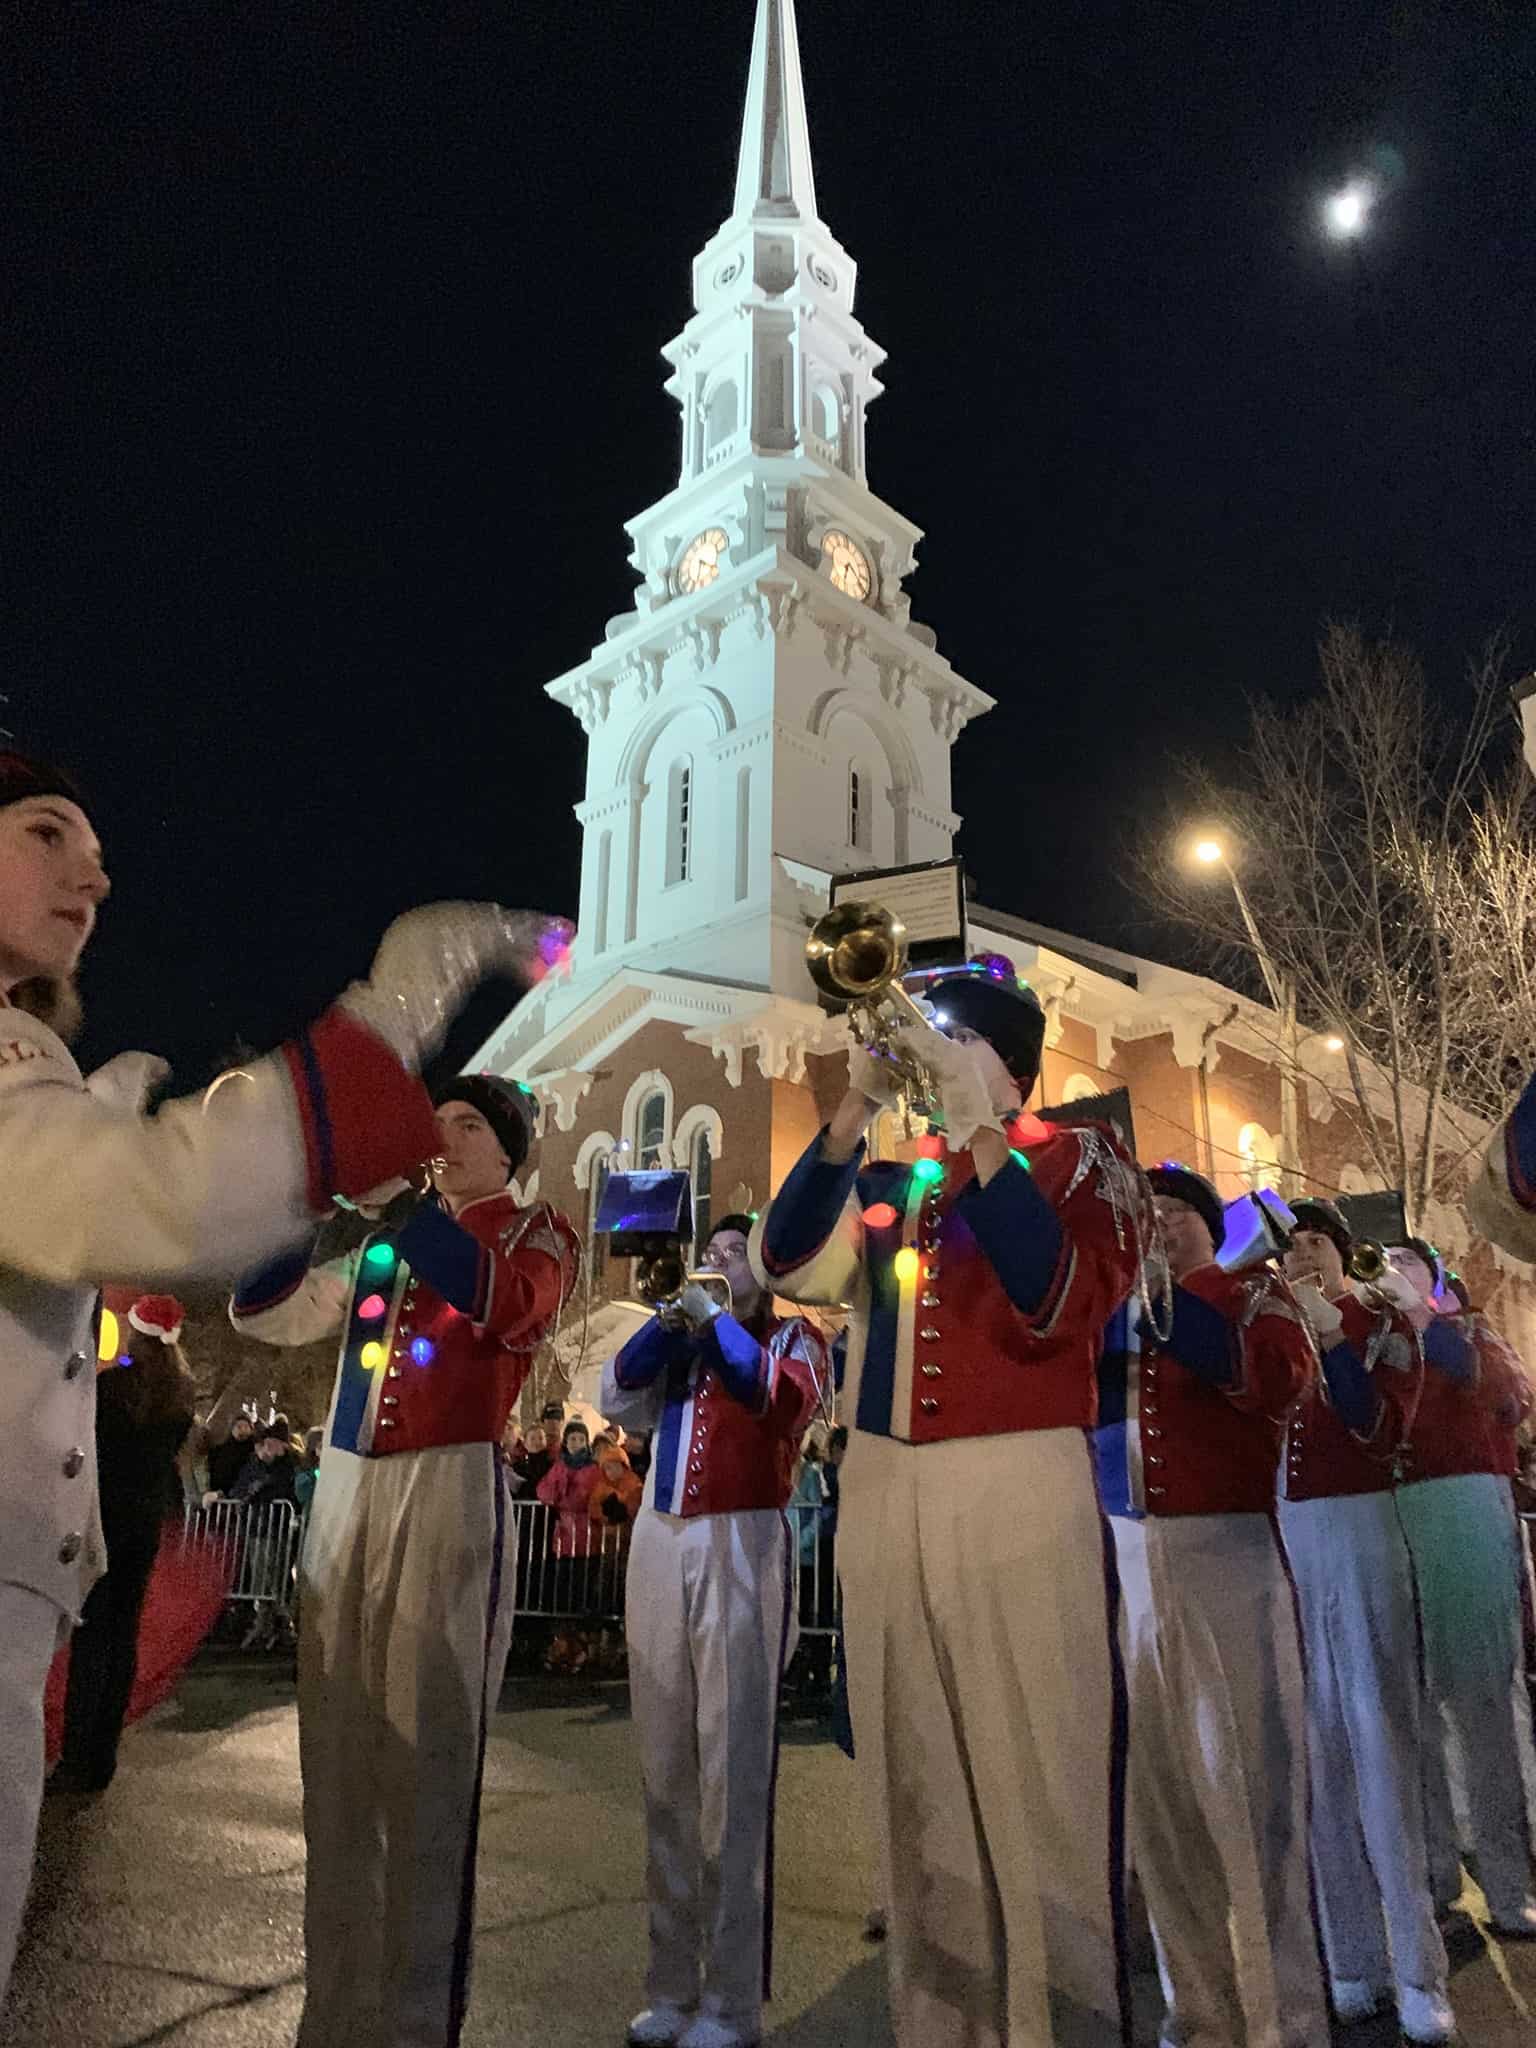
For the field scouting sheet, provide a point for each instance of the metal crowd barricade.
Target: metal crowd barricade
(590, 1587)
(258, 1547)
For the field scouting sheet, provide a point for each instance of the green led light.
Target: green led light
(926, 1171)
(380, 1255)
(1015, 1153)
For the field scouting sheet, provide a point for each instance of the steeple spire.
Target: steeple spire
(774, 180)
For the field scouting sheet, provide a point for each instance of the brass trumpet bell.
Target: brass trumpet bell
(1368, 1261)
(856, 954)
(855, 950)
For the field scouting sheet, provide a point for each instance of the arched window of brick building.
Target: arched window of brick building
(1260, 1156)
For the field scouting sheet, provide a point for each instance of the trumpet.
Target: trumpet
(856, 954)
(662, 1280)
(1368, 1261)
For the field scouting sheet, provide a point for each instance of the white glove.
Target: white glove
(431, 960)
(875, 1079)
(965, 1093)
(127, 1082)
(698, 1304)
(1319, 1311)
(378, 1199)
(1401, 1292)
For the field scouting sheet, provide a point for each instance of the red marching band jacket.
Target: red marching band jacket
(1324, 1457)
(975, 1310)
(1201, 1434)
(440, 1320)
(1468, 1423)
(727, 1406)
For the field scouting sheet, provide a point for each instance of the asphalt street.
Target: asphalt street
(170, 1910)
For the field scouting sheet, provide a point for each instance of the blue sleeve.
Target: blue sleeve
(446, 1257)
(648, 1354)
(804, 1213)
(1018, 1230)
(1520, 1147)
(1203, 1339)
(738, 1358)
(1447, 1350)
(1350, 1389)
(274, 1281)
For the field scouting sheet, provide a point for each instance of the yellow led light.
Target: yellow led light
(905, 1264)
(372, 1355)
(106, 1344)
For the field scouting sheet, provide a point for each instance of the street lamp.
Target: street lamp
(1211, 852)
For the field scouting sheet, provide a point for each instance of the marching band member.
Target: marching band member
(1189, 1438)
(710, 1620)
(1459, 1519)
(978, 1575)
(406, 1577)
(94, 1192)
(1354, 1582)
(1501, 1202)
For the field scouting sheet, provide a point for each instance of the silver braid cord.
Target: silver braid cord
(432, 959)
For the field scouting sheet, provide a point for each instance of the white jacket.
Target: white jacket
(92, 1194)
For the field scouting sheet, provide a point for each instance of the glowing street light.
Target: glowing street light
(1208, 852)
(1333, 1043)
(1345, 212)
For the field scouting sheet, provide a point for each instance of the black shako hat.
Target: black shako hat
(986, 995)
(1183, 1184)
(500, 1105)
(1312, 1212)
(21, 777)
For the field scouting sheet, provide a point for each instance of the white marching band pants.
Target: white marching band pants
(1370, 1859)
(710, 1622)
(405, 1621)
(1465, 1544)
(978, 1607)
(1217, 1792)
(31, 1629)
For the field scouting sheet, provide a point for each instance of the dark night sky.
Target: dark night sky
(339, 333)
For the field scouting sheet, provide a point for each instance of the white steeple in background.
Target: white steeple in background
(766, 712)
(773, 173)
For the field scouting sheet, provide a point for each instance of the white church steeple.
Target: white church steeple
(766, 711)
(773, 173)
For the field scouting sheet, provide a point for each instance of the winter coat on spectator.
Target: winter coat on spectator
(226, 1461)
(259, 1485)
(567, 1488)
(616, 1496)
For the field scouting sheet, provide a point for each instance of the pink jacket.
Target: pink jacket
(568, 1490)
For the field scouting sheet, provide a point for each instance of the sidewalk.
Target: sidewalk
(169, 1912)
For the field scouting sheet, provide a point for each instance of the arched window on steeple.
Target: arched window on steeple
(720, 416)
(859, 786)
(680, 820)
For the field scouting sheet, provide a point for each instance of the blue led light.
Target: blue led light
(423, 1350)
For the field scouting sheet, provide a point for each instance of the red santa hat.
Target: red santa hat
(158, 1315)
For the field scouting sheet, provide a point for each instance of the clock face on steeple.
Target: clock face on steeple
(847, 565)
(702, 559)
